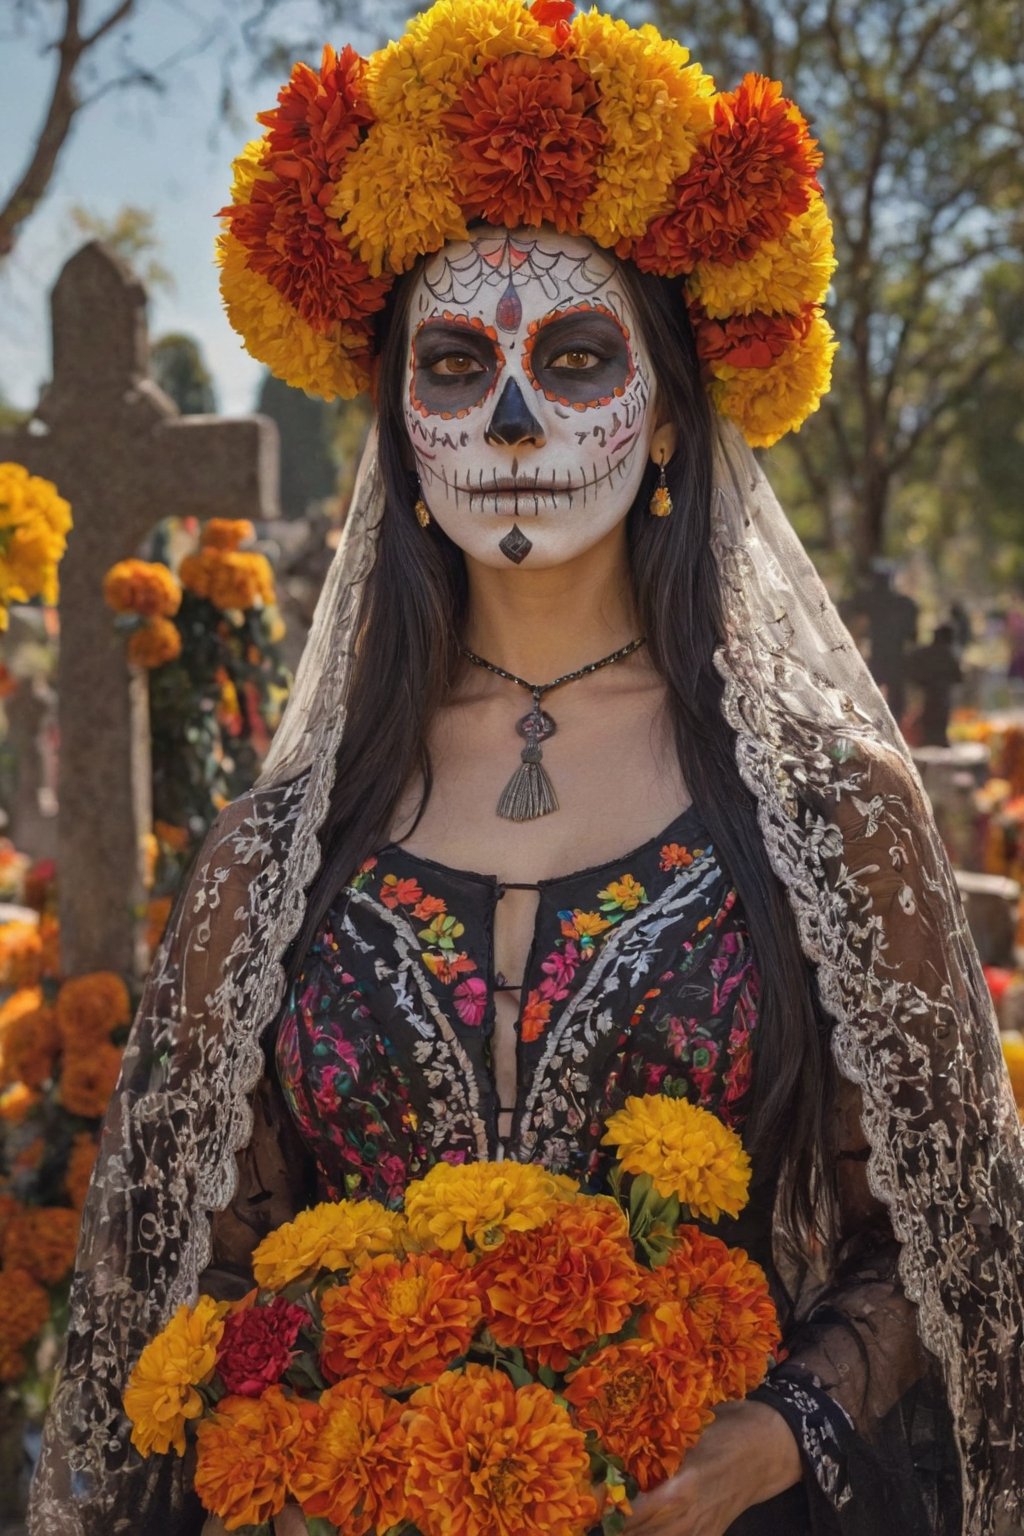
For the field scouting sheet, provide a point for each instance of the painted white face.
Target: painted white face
(529, 397)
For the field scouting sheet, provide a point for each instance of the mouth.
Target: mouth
(519, 487)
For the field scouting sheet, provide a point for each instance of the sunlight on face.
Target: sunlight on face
(528, 395)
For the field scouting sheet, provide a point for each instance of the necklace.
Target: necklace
(529, 793)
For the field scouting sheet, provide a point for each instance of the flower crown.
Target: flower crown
(518, 115)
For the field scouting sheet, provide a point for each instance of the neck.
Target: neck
(541, 623)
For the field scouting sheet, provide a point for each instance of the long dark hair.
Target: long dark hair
(413, 611)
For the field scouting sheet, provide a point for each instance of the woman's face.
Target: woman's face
(529, 395)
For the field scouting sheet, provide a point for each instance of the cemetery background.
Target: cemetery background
(910, 497)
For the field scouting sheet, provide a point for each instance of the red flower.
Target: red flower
(395, 892)
(748, 341)
(319, 120)
(526, 141)
(293, 243)
(555, 14)
(750, 178)
(257, 1345)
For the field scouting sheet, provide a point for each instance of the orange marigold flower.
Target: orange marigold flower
(90, 1007)
(24, 1306)
(21, 955)
(714, 1299)
(319, 120)
(526, 141)
(17, 1102)
(399, 1322)
(555, 14)
(351, 1460)
(245, 1454)
(753, 174)
(536, 1016)
(748, 341)
(226, 533)
(241, 580)
(9, 1207)
(643, 1412)
(158, 912)
(175, 838)
(553, 1291)
(301, 251)
(161, 1395)
(155, 644)
(28, 1039)
(485, 1456)
(675, 856)
(13, 1364)
(42, 1240)
(144, 587)
(88, 1079)
(80, 1165)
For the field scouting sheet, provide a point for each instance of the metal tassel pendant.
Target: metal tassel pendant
(529, 793)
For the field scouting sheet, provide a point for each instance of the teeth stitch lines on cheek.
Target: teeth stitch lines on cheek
(528, 395)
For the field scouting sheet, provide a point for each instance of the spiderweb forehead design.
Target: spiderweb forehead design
(509, 263)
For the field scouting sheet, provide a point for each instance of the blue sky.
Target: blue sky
(167, 153)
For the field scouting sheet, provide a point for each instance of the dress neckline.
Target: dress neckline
(683, 819)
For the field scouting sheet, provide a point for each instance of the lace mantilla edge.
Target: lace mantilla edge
(850, 834)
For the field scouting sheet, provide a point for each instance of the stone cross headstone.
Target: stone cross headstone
(118, 450)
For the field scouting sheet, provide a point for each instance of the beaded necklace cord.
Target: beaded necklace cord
(529, 793)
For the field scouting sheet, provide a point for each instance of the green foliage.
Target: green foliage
(177, 365)
(919, 106)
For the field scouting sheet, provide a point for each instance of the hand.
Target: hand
(746, 1455)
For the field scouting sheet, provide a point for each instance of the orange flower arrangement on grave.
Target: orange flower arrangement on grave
(34, 525)
(522, 114)
(142, 587)
(58, 1062)
(231, 578)
(477, 1362)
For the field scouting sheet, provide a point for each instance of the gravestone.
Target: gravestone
(120, 453)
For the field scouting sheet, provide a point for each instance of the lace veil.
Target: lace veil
(848, 831)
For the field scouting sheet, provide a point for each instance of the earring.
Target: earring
(422, 512)
(660, 504)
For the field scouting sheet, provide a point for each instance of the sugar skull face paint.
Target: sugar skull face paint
(528, 395)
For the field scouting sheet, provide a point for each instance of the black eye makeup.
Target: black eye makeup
(455, 365)
(580, 357)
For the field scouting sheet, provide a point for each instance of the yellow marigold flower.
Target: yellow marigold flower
(330, 364)
(766, 403)
(397, 198)
(781, 277)
(421, 74)
(155, 644)
(161, 1394)
(28, 1039)
(21, 955)
(1013, 1054)
(26, 498)
(24, 1306)
(228, 533)
(479, 1202)
(654, 106)
(333, 1236)
(17, 1102)
(686, 1151)
(144, 587)
(247, 169)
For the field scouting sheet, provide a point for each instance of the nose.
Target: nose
(513, 422)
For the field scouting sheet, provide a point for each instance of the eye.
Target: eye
(455, 364)
(576, 360)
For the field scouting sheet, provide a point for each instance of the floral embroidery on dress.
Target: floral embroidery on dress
(641, 977)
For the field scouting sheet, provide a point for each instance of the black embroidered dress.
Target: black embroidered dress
(640, 978)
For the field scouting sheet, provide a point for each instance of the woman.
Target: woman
(583, 789)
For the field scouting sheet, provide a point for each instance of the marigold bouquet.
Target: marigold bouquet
(507, 1353)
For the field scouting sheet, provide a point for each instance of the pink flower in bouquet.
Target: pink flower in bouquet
(257, 1346)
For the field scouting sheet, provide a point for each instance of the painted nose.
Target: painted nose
(513, 422)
